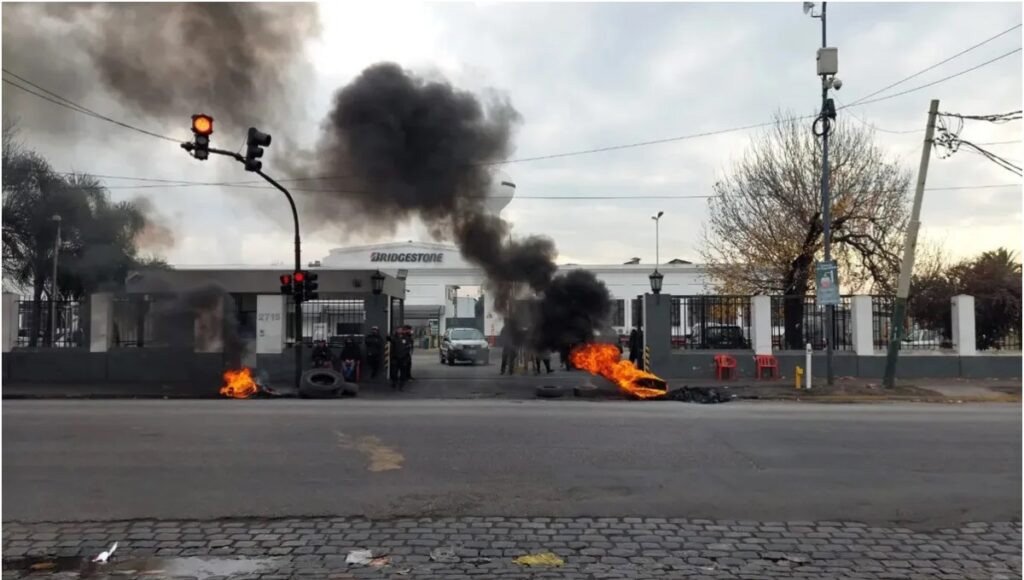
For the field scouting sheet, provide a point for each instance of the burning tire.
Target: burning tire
(550, 391)
(321, 384)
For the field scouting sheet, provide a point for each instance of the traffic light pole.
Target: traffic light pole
(296, 298)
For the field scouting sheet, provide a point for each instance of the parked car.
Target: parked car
(922, 338)
(464, 344)
(727, 336)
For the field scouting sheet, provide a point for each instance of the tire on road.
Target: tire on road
(550, 391)
(350, 389)
(321, 384)
(585, 391)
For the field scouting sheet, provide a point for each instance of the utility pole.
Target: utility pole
(899, 311)
(828, 64)
(53, 288)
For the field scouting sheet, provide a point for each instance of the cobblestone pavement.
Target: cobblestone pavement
(458, 548)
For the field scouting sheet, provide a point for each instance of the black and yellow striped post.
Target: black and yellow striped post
(387, 360)
(647, 358)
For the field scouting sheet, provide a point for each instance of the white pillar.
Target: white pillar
(761, 324)
(10, 321)
(270, 321)
(963, 325)
(863, 326)
(101, 321)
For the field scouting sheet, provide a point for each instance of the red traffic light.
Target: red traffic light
(286, 280)
(202, 124)
(299, 277)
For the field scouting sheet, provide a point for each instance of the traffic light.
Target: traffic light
(202, 128)
(300, 284)
(310, 287)
(255, 143)
(286, 284)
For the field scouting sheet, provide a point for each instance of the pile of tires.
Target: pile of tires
(325, 384)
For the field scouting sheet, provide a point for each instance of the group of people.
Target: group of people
(351, 357)
(511, 345)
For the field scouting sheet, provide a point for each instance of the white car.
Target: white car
(464, 344)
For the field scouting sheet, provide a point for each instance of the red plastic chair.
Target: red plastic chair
(767, 362)
(725, 366)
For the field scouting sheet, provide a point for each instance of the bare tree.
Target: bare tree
(765, 228)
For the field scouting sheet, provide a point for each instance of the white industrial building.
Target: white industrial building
(437, 274)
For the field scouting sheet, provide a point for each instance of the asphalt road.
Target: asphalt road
(924, 466)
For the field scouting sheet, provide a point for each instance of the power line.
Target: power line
(933, 83)
(940, 63)
(868, 124)
(69, 104)
(859, 102)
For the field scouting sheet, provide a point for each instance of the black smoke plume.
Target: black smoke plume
(199, 317)
(400, 146)
(164, 60)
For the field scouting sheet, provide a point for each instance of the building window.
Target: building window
(618, 313)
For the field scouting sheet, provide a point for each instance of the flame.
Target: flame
(239, 384)
(605, 360)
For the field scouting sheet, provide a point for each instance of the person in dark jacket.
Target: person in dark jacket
(374, 351)
(508, 350)
(322, 355)
(401, 358)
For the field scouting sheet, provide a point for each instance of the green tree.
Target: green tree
(97, 235)
(994, 279)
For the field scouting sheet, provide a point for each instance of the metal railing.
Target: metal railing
(330, 320)
(917, 335)
(711, 322)
(799, 320)
(68, 332)
(997, 324)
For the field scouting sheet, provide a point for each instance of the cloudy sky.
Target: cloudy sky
(586, 76)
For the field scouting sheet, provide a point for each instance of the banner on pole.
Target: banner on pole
(826, 279)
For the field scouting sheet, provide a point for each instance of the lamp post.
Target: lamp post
(455, 300)
(377, 282)
(53, 288)
(656, 277)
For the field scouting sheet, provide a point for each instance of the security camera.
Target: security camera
(837, 83)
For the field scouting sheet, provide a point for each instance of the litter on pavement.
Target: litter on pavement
(359, 557)
(444, 554)
(541, 559)
(105, 555)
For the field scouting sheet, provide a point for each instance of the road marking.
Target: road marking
(382, 457)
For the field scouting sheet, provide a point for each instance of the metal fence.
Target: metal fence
(704, 322)
(917, 335)
(330, 320)
(805, 323)
(68, 330)
(997, 324)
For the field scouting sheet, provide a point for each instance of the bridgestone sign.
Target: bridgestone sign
(402, 257)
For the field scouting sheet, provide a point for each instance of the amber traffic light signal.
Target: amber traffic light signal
(202, 127)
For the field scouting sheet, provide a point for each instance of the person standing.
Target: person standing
(542, 355)
(508, 349)
(374, 351)
(401, 358)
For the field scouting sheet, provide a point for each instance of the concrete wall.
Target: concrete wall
(137, 365)
(701, 365)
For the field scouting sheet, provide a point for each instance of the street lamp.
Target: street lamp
(377, 282)
(657, 277)
(54, 289)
